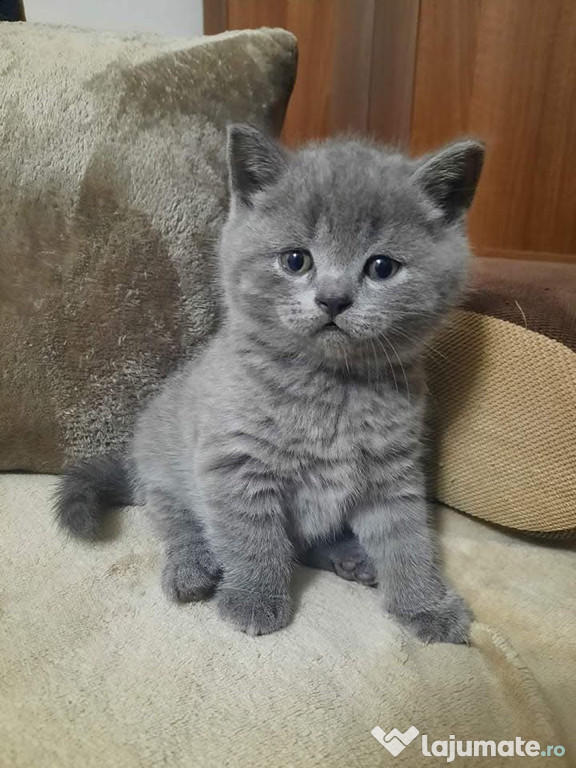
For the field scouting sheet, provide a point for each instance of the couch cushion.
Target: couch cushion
(112, 190)
(100, 670)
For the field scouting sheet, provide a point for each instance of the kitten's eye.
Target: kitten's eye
(297, 261)
(381, 267)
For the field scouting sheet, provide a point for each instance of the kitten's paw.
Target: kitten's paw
(186, 581)
(446, 622)
(253, 613)
(346, 557)
(350, 561)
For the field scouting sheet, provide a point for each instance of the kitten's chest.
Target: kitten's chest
(334, 426)
(326, 446)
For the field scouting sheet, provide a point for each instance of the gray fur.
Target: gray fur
(88, 490)
(283, 432)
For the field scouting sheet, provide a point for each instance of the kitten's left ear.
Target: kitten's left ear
(254, 161)
(449, 177)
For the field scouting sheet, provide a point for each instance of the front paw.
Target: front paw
(446, 622)
(186, 581)
(253, 612)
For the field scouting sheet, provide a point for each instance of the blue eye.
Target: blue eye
(297, 261)
(381, 267)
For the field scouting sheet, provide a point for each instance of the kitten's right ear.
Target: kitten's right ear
(254, 161)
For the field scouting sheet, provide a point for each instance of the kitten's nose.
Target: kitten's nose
(333, 305)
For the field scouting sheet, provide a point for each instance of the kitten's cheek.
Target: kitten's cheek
(297, 319)
(289, 321)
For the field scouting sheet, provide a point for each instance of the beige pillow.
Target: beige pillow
(112, 189)
(503, 398)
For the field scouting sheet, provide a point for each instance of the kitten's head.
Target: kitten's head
(344, 244)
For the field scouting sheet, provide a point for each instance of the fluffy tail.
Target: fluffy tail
(87, 490)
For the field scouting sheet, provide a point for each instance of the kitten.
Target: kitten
(297, 431)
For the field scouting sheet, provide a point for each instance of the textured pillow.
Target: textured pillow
(503, 398)
(112, 189)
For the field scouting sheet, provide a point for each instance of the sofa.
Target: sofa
(97, 668)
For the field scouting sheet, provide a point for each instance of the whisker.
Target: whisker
(393, 372)
(411, 337)
(346, 361)
(522, 313)
(376, 366)
(413, 312)
(387, 340)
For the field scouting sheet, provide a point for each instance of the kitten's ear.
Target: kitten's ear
(254, 161)
(449, 177)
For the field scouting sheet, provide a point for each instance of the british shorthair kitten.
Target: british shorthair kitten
(297, 432)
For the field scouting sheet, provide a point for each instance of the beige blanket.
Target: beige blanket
(98, 669)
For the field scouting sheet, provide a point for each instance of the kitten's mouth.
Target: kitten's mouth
(331, 327)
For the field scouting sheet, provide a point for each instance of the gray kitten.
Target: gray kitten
(296, 433)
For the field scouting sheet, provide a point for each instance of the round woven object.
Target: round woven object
(503, 405)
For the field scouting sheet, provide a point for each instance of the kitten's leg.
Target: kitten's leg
(247, 530)
(257, 560)
(191, 571)
(396, 536)
(344, 555)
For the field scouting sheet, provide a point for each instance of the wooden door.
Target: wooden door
(355, 66)
(419, 73)
(505, 71)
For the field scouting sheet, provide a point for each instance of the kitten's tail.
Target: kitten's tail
(88, 489)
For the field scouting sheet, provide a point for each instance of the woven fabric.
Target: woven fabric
(503, 400)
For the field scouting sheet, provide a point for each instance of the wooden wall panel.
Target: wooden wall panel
(356, 61)
(421, 72)
(215, 16)
(312, 21)
(392, 70)
(505, 71)
(352, 69)
(374, 65)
